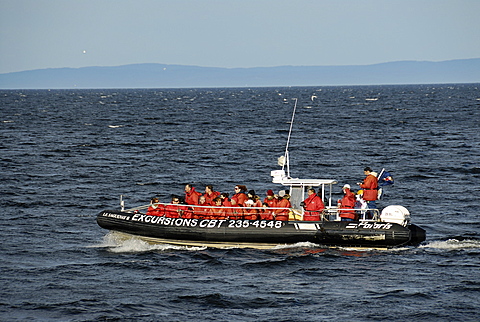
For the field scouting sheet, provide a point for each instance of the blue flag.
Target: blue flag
(385, 178)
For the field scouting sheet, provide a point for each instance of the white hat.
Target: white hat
(347, 186)
(281, 193)
(249, 202)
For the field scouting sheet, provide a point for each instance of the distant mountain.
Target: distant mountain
(179, 76)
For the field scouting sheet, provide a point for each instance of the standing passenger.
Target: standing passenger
(347, 202)
(210, 194)
(370, 188)
(191, 195)
(313, 206)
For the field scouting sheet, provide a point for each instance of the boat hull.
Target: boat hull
(260, 233)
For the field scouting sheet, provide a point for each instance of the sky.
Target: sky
(38, 34)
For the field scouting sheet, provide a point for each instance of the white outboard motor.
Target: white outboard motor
(395, 214)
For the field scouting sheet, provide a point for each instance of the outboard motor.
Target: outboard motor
(396, 214)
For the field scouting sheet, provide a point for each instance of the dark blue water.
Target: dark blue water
(68, 154)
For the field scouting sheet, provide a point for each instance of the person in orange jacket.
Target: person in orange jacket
(282, 214)
(313, 206)
(191, 195)
(240, 196)
(347, 202)
(270, 199)
(210, 194)
(155, 208)
(370, 187)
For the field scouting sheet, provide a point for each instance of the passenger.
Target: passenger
(210, 194)
(347, 202)
(370, 188)
(313, 206)
(240, 196)
(360, 204)
(218, 212)
(155, 208)
(174, 210)
(200, 212)
(249, 213)
(227, 204)
(270, 199)
(282, 214)
(191, 195)
(266, 213)
(256, 199)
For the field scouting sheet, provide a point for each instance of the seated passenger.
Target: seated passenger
(227, 204)
(249, 213)
(155, 208)
(174, 210)
(282, 214)
(347, 202)
(218, 212)
(240, 196)
(270, 199)
(266, 213)
(313, 206)
(200, 212)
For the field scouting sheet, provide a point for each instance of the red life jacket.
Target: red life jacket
(191, 198)
(156, 210)
(370, 188)
(240, 199)
(209, 198)
(313, 207)
(172, 211)
(270, 202)
(347, 202)
(282, 214)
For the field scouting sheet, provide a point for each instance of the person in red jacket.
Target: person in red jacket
(248, 212)
(218, 212)
(313, 206)
(191, 195)
(282, 214)
(347, 202)
(201, 212)
(370, 187)
(240, 196)
(270, 199)
(155, 208)
(174, 210)
(210, 194)
(227, 204)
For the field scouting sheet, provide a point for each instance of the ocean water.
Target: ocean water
(68, 154)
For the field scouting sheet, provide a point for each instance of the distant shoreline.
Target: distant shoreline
(182, 76)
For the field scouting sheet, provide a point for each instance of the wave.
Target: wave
(453, 244)
(118, 243)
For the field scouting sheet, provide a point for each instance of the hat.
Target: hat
(270, 192)
(281, 193)
(249, 202)
(347, 186)
(360, 192)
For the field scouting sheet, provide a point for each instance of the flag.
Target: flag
(385, 179)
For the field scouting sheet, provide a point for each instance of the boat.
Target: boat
(388, 228)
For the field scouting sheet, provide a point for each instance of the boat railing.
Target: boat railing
(239, 212)
(333, 214)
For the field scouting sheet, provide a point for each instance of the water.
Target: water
(68, 154)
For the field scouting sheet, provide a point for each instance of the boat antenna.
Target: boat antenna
(286, 156)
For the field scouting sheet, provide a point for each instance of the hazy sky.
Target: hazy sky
(38, 34)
